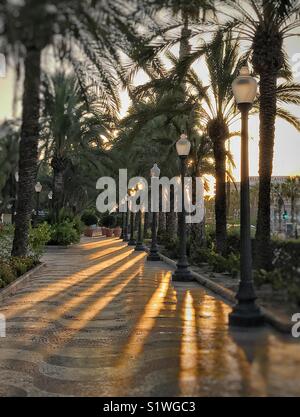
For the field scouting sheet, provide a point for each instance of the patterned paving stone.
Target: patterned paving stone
(100, 320)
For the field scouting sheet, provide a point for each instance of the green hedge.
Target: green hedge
(12, 268)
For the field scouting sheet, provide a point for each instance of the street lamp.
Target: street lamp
(182, 272)
(139, 244)
(38, 189)
(132, 242)
(245, 312)
(125, 222)
(153, 256)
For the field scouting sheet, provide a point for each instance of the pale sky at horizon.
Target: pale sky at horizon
(287, 142)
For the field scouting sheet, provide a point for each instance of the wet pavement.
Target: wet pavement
(99, 320)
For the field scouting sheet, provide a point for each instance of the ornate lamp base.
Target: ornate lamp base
(153, 257)
(182, 275)
(131, 242)
(246, 314)
(140, 247)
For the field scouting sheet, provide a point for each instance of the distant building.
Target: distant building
(279, 224)
(254, 181)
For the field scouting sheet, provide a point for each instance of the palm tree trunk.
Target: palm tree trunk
(171, 225)
(161, 225)
(59, 166)
(28, 150)
(220, 198)
(292, 208)
(146, 223)
(266, 148)
(58, 192)
(280, 205)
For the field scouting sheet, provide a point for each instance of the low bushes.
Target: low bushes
(108, 220)
(12, 268)
(38, 238)
(285, 275)
(66, 230)
(89, 218)
(207, 255)
(65, 233)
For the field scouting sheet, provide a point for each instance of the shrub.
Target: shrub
(233, 264)
(108, 220)
(233, 242)
(78, 225)
(6, 239)
(12, 268)
(64, 234)
(200, 256)
(89, 218)
(286, 255)
(218, 262)
(172, 248)
(38, 238)
(21, 265)
(7, 274)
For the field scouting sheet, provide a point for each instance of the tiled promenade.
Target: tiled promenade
(101, 321)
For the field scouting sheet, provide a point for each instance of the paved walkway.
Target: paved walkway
(100, 321)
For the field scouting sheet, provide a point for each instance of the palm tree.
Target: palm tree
(73, 126)
(291, 189)
(9, 143)
(223, 61)
(266, 24)
(103, 30)
(36, 18)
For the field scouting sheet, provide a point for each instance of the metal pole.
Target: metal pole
(182, 272)
(139, 245)
(125, 234)
(132, 241)
(246, 312)
(123, 226)
(37, 207)
(153, 256)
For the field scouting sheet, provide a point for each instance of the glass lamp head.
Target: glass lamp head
(155, 171)
(183, 145)
(244, 87)
(38, 187)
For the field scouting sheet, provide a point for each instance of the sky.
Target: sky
(287, 141)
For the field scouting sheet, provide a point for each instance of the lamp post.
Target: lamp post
(50, 198)
(245, 312)
(125, 224)
(124, 234)
(139, 244)
(38, 188)
(182, 272)
(132, 242)
(153, 256)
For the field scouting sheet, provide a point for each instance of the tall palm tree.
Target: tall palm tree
(266, 24)
(9, 143)
(291, 189)
(222, 60)
(103, 30)
(72, 126)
